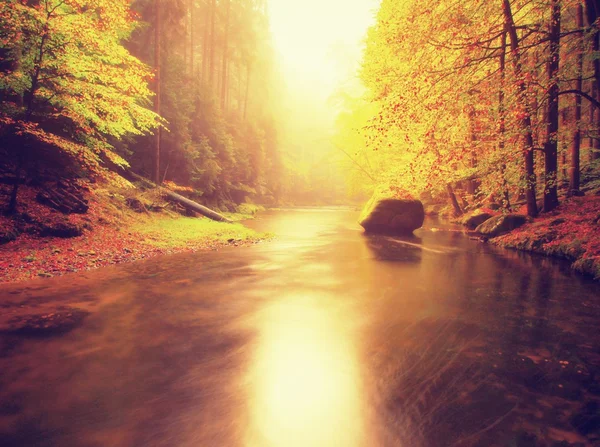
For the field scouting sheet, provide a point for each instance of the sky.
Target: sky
(319, 41)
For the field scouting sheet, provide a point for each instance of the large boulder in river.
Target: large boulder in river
(392, 215)
(502, 224)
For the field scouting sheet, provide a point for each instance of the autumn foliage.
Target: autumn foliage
(486, 96)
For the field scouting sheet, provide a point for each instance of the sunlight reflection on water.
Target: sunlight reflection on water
(305, 379)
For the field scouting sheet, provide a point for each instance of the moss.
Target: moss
(172, 233)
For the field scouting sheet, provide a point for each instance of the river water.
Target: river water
(322, 337)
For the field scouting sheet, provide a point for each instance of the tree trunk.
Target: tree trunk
(574, 169)
(225, 56)
(473, 184)
(157, 64)
(457, 209)
(12, 204)
(525, 121)
(213, 42)
(593, 11)
(192, 35)
(247, 95)
(194, 206)
(563, 122)
(502, 113)
(186, 39)
(592, 135)
(205, 46)
(551, 146)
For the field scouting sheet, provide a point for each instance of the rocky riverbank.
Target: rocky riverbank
(571, 232)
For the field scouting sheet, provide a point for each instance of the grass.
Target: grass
(245, 211)
(191, 231)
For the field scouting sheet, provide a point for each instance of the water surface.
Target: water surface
(323, 337)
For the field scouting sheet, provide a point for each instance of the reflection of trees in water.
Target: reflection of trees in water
(468, 378)
(438, 394)
(405, 250)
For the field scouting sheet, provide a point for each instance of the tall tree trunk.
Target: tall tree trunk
(574, 169)
(247, 95)
(594, 142)
(192, 35)
(525, 121)
(593, 12)
(240, 98)
(472, 183)
(205, 45)
(551, 146)
(12, 204)
(213, 43)
(186, 40)
(502, 116)
(157, 64)
(225, 57)
(563, 122)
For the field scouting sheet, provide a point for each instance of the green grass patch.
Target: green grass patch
(183, 231)
(245, 211)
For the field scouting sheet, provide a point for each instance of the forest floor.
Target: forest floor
(571, 232)
(111, 233)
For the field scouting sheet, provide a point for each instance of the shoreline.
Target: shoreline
(571, 233)
(30, 257)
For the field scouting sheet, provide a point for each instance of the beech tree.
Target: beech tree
(469, 95)
(70, 86)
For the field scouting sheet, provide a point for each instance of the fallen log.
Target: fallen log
(194, 206)
(185, 202)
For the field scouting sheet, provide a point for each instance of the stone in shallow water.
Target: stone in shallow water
(392, 216)
(498, 225)
(474, 220)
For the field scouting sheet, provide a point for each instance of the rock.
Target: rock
(63, 229)
(502, 224)
(7, 236)
(391, 215)
(472, 221)
(558, 221)
(136, 205)
(434, 210)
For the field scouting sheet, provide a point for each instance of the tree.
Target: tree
(574, 169)
(551, 145)
(157, 81)
(81, 89)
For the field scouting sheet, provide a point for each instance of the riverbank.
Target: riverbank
(571, 232)
(114, 230)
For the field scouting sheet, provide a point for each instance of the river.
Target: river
(322, 337)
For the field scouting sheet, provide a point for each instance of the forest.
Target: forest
(177, 91)
(299, 223)
(499, 99)
(473, 107)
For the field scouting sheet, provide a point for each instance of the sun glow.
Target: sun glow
(319, 41)
(306, 386)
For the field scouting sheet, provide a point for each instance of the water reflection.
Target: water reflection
(407, 250)
(305, 377)
(320, 338)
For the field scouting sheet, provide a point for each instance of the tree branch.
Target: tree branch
(591, 99)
